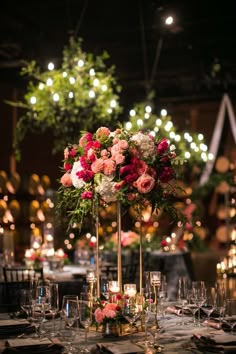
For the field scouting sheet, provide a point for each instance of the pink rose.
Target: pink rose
(111, 306)
(102, 132)
(109, 167)
(66, 180)
(123, 144)
(72, 153)
(98, 314)
(144, 183)
(115, 149)
(104, 153)
(119, 158)
(141, 167)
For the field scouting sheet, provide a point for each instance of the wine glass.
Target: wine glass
(70, 310)
(199, 296)
(182, 296)
(37, 317)
(220, 299)
(131, 311)
(105, 288)
(53, 304)
(191, 306)
(155, 280)
(25, 301)
(85, 317)
(42, 298)
(210, 303)
(230, 314)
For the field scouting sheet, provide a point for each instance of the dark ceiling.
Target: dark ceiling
(193, 59)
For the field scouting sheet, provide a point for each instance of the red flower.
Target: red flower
(162, 146)
(87, 195)
(166, 174)
(67, 166)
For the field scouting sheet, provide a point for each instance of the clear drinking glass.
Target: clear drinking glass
(25, 301)
(199, 296)
(230, 314)
(220, 299)
(53, 305)
(182, 296)
(85, 317)
(131, 312)
(210, 303)
(70, 313)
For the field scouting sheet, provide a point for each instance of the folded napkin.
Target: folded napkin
(223, 343)
(30, 345)
(174, 310)
(212, 324)
(12, 327)
(226, 324)
(119, 347)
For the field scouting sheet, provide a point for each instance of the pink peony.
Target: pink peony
(109, 167)
(66, 180)
(144, 183)
(123, 144)
(109, 313)
(98, 314)
(97, 165)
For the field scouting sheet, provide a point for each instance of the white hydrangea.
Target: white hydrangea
(106, 189)
(77, 182)
(145, 144)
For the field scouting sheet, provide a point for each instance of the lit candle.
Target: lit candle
(50, 252)
(114, 286)
(28, 253)
(36, 245)
(60, 253)
(130, 290)
(90, 276)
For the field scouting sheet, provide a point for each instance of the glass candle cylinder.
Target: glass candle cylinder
(130, 290)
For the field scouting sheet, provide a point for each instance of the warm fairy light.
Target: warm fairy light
(140, 122)
(88, 235)
(71, 94)
(12, 227)
(168, 126)
(92, 72)
(158, 122)
(187, 154)
(104, 87)
(198, 223)
(109, 110)
(1, 230)
(55, 97)
(132, 113)
(93, 239)
(80, 63)
(156, 129)
(72, 80)
(193, 145)
(33, 100)
(69, 246)
(210, 156)
(95, 82)
(64, 74)
(152, 133)
(169, 20)
(204, 156)
(163, 112)
(113, 103)
(66, 242)
(50, 66)
(49, 82)
(146, 115)
(91, 94)
(41, 86)
(203, 147)
(177, 137)
(71, 235)
(148, 109)
(200, 136)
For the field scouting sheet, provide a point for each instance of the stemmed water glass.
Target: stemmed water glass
(70, 312)
(42, 300)
(230, 314)
(131, 311)
(182, 296)
(53, 304)
(199, 296)
(85, 317)
(105, 288)
(25, 301)
(220, 299)
(210, 303)
(155, 280)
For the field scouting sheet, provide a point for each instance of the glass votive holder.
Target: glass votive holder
(130, 290)
(90, 276)
(155, 278)
(113, 286)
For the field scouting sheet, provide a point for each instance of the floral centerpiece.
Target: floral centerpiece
(136, 169)
(109, 315)
(34, 258)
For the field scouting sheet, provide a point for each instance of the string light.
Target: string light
(41, 86)
(163, 112)
(104, 87)
(64, 74)
(49, 82)
(71, 94)
(91, 94)
(148, 109)
(72, 80)
(169, 20)
(33, 100)
(113, 103)
(56, 97)
(92, 72)
(96, 82)
(132, 113)
(128, 125)
(80, 63)
(50, 66)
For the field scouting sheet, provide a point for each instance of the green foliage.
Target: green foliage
(80, 95)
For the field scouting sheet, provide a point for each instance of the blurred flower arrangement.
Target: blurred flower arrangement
(135, 169)
(34, 258)
(109, 312)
